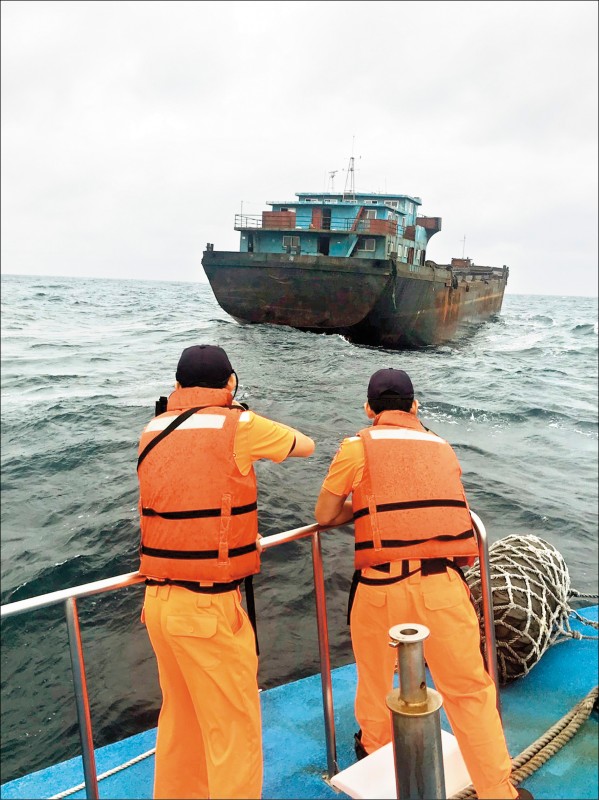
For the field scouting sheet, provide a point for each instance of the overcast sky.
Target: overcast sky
(132, 132)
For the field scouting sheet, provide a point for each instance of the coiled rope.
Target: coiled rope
(545, 746)
(531, 590)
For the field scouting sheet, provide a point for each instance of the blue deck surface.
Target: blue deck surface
(294, 744)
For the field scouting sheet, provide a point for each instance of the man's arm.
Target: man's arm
(332, 505)
(331, 509)
(303, 446)
(265, 438)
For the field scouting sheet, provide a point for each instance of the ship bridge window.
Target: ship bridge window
(366, 244)
(370, 213)
(291, 241)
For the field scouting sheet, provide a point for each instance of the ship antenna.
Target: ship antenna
(332, 178)
(349, 193)
(464, 246)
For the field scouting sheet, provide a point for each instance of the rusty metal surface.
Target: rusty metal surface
(278, 219)
(302, 291)
(369, 302)
(430, 224)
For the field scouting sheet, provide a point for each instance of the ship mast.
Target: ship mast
(349, 192)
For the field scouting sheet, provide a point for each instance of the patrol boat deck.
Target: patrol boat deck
(299, 751)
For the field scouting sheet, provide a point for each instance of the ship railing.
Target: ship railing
(247, 221)
(373, 227)
(70, 596)
(478, 272)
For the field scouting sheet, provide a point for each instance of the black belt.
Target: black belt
(428, 566)
(215, 588)
(219, 588)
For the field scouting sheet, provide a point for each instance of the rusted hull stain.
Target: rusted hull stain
(367, 301)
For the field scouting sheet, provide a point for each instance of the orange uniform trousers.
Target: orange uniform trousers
(209, 742)
(452, 652)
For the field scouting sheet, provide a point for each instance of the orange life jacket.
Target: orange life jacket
(410, 503)
(199, 518)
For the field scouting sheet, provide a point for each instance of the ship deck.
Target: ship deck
(295, 759)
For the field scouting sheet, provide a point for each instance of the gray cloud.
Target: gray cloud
(132, 132)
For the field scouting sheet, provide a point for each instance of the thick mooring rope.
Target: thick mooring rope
(545, 746)
(531, 591)
(523, 765)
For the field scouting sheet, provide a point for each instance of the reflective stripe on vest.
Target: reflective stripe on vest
(198, 513)
(410, 503)
(205, 420)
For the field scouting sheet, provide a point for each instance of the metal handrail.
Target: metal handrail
(70, 596)
(62, 595)
(374, 227)
(487, 603)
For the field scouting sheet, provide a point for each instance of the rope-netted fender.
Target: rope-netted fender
(530, 584)
(545, 746)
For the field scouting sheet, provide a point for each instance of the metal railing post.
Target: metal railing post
(487, 603)
(82, 700)
(325, 657)
(416, 717)
(69, 597)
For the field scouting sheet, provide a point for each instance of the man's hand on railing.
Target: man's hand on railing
(332, 509)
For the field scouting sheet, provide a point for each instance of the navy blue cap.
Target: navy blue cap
(390, 380)
(204, 365)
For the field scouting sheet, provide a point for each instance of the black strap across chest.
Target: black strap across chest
(169, 429)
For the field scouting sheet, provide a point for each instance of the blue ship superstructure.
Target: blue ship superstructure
(340, 225)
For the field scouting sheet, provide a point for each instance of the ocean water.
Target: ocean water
(83, 362)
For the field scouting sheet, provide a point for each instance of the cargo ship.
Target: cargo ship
(354, 264)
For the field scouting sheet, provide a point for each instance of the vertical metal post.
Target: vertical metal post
(416, 717)
(325, 658)
(487, 603)
(82, 700)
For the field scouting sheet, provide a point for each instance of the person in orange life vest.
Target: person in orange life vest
(412, 532)
(199, 540)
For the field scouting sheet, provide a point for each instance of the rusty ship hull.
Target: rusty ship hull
(378, 302)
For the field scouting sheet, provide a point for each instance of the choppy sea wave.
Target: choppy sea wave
(82, 364)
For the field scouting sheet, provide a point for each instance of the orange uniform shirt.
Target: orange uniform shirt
(347, 468)
(257, 437)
